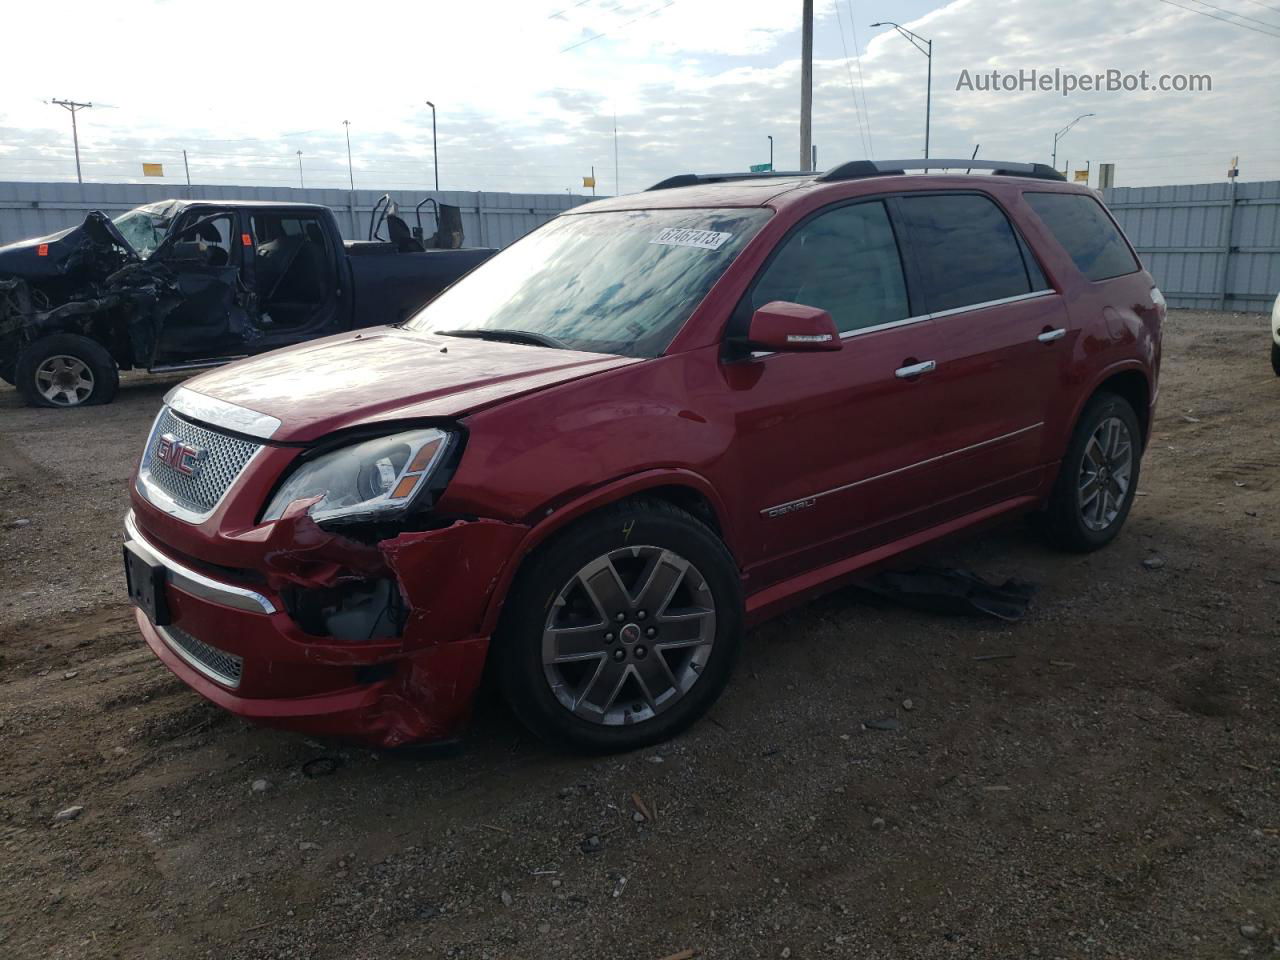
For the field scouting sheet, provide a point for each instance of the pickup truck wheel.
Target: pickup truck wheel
(1275, 358)
(1098, 477)
(66, 370)
(622, 632)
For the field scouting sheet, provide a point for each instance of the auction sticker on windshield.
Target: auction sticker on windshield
(679, 237)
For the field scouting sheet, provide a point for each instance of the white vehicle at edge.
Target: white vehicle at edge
(1275, 337)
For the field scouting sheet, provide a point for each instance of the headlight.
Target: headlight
(365, 480)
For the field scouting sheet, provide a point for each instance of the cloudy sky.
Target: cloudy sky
(527, 90)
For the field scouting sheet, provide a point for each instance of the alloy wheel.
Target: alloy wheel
(1105, 473)
(629, 635)
(64, 380)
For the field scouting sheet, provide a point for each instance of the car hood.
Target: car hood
(384, 374)
(65, 252)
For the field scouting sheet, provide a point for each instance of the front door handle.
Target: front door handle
(1051, 335)
(915, 369)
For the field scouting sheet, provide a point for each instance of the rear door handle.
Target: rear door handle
(915, 369)
(1051, 335)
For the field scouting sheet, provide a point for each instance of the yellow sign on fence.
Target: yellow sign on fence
(153, 169)
(588, 181)
(1082, 176)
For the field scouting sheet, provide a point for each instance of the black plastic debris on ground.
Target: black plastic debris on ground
(952, 590)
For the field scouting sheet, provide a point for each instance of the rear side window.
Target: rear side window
(967, 251)
(844, 261)
(1079, 223)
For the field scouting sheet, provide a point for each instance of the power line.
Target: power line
(857, 58)
(852, 93)
(1203, 3)
(642, 16)
(1263, 5)
(1212, 16)
(572, 6)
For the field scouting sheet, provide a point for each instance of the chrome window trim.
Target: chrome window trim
(770, 512)
(1033, 295)
(195, 663)
(220, 413)
(195, 583)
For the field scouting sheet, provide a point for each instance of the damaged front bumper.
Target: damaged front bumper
(243, 636)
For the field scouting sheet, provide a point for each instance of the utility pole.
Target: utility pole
(770, 151)
(593, 179)
(301, 183)
(617, 187)
(186, 167)
(813, 164)
(73, 106)
(806, 87)
(435, 156)
(350, 174)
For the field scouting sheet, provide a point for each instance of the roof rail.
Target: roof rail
(693, 179)
(855, 169)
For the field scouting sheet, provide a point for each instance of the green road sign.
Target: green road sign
(761, 167)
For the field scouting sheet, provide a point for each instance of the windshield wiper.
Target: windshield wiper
(507, 336)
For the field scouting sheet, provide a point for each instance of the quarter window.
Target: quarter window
(1079, 223)
(844, 261)
(967, 251)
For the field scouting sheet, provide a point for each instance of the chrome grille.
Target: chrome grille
(223, 460)
(215, 664)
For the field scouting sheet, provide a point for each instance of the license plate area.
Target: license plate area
(146, 582)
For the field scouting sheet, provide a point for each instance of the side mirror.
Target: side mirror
(785, 327)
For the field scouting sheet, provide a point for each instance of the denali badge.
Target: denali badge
(183, 457)
(792, 507)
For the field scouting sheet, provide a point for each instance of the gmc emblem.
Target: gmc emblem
(183, 457)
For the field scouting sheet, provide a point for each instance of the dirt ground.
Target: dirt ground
(1101, 779)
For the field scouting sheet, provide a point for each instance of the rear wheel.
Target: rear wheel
(66, 370)
(1098, 477)
(623, 631)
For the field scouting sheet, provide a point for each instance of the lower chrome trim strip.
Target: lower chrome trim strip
(197, 584)
(800, 503)
(195, 663)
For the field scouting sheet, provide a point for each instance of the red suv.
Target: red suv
(591, 461)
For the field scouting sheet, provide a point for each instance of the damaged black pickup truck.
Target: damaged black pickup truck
(185, 284)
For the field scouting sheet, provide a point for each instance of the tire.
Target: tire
(8, 373)
(66, 370)
(1275, 358)
(1075, 519)
(596, 698)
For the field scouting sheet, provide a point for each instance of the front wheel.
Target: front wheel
(66, 370)
(623, 631)
(1098, 477)
(1275, 358)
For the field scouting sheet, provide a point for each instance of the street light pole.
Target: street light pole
(1063, 132)
(925, 47)
(770, 151)
(301, 182)
(435, 156)
(73, 106)
(350, 173)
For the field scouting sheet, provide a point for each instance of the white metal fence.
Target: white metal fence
(489, 219)
(1210, 246)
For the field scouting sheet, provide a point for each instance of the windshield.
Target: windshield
(621, 282)
(145, 227)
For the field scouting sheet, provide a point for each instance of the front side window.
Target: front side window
(844, 261)
(966, 250)
(1079, 223)
(620, 282)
